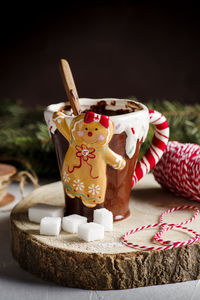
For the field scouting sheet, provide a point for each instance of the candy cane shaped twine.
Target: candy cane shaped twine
(164, 228)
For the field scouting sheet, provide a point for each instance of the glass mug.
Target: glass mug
(97, 152)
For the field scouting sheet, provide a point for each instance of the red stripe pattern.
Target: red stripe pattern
(157, 147)
(167, 244)
(179, 170)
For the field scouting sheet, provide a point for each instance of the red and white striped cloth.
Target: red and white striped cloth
(179, 170)
(157, 147)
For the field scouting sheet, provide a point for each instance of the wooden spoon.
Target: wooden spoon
(70, 87)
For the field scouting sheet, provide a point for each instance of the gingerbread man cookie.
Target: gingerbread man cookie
(84, 168)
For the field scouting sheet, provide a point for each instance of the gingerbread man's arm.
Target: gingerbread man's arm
(59, 120)
(114, 159)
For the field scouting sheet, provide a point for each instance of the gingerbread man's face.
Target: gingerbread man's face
(91, 131)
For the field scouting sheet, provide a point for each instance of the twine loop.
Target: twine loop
(166, 244)
(22, 176)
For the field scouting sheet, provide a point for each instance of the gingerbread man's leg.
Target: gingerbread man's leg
(114, 159)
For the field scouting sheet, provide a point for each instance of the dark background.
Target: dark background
(146, 49)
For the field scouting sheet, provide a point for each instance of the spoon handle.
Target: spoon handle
(69, 86)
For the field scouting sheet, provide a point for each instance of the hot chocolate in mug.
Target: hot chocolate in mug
(97, 152)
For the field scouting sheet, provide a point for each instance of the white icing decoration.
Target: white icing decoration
(66, 177)
(85, 152)
(48, 116)
(117, 126)
(138, 120)
(78, 185)
(51, 125)
(68, 120)
(94, 189)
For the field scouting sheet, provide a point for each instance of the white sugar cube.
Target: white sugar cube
(91, 232)
(104, 217)
(50, 225)
(39, 211)
(71, 223)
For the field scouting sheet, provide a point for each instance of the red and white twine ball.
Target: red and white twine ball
(179, 170)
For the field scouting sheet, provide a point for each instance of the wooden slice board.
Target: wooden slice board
(107, 264)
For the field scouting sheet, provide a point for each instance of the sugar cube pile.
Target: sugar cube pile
(104, 217)
(49, 217)
(91, 232)
(39, 211)
(50, 225)
(71, 223)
